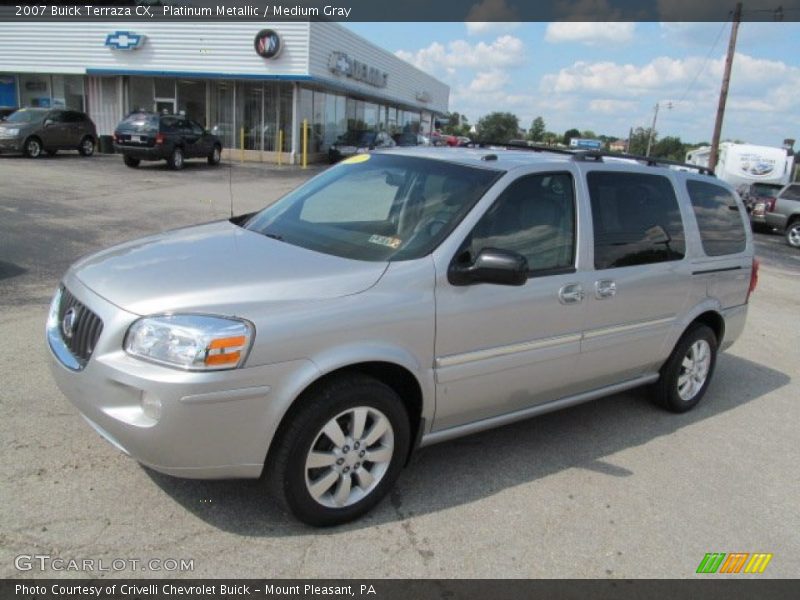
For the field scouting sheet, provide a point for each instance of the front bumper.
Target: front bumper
(10, 144)
(212, 424)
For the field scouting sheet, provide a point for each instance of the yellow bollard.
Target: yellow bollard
(241, 144)
(305, 143)
(280, 146)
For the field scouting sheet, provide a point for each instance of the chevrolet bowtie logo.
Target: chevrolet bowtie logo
(124, 40)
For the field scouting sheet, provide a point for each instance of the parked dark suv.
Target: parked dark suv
(36, 130)
(149, 136)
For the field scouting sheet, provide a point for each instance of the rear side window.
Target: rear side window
(791, 193)
(73, 117)
(636, 219)
(721, 225)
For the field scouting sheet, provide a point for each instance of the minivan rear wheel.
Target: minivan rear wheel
(341, 451)
(687, 373)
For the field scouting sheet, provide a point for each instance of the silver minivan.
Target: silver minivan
(399, 299)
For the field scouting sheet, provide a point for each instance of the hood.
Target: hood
(218, 264)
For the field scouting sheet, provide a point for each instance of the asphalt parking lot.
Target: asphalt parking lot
(613, 488)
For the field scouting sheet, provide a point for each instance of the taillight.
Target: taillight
(753, 279)
(159, 138)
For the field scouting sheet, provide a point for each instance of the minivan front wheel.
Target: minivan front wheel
(687, 373)
(340, 453)
(33, 147)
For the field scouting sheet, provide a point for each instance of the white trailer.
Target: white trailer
(747, 163)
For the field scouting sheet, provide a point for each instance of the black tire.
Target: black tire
(666, 390)
(32, 148)
(176, 159)
(51, 152)
(87, 146)
(215, 156)
(130, 161)
(793, 234)
(286, 464)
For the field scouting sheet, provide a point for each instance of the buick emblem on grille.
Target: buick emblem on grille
(68, 322)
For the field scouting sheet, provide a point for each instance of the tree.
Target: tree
(498, 127)
(569, 134)
(670, 148)
(537, 131)
(589, 134)
(638, 141)
(456, 124)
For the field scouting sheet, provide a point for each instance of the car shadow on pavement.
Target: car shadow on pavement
(486, 463)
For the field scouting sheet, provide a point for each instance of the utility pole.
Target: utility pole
(652, 131)
(723, 92)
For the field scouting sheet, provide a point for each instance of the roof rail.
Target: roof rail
(597, 155)
(651, 161)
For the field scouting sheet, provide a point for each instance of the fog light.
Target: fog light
(151, 406)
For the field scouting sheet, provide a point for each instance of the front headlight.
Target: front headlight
(9, 132)
(192, 342)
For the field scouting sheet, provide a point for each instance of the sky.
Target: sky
(607, 77)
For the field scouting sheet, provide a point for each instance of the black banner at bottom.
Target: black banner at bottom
(400, 589)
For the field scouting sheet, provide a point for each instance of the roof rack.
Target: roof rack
(597, 155)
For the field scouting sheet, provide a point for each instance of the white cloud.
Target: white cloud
(505, 51)
(489, 81)
(612, 106)
(590, 33)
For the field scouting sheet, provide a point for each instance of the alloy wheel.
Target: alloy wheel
(349, 457)
(34, 148)
(793, 235)
(694, 370)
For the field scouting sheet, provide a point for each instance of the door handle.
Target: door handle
(572, 293)
(605, 288)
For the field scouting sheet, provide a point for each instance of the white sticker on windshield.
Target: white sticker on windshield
(391, 242)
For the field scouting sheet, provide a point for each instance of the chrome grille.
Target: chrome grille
(86, 328)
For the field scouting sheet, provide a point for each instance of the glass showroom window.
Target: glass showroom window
(285, 114)
(141, 94)
(68, 91)
(192, 100)
(221, 111)
(248, 116)
(34, 90)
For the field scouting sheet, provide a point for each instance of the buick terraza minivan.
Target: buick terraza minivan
(396, 300)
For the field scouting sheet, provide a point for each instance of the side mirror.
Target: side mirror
(48, 122)
(492, 265)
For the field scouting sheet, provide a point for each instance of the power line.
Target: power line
(705, 63)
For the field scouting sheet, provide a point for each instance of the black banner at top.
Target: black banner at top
(406, 11)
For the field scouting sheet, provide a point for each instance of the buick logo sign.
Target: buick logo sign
(68, 323)
(268, 43)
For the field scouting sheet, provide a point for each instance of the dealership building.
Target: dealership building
(253, 84)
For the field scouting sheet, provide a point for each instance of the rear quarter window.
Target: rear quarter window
(718, 218)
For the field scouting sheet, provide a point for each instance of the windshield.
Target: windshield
(376, 207)
(139, 122)
(25, 116)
